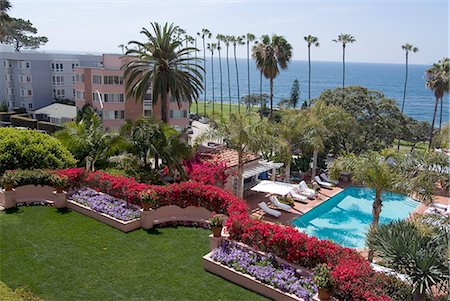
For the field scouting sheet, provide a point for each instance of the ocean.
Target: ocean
(386, 78)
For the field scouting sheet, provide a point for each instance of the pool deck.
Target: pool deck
(323, 195)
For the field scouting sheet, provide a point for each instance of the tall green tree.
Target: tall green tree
(204, 34)
(220, 38)
(160, 64)
(417, 249)
(249, 37)
(226, 39)
(89, 141)
(311, 41)
(21, 34)
(237, 41)
(407, 48)
(437, 80)
(243, 133)
(272, 54)
(212, 47)
(344, 39)
(5, 6)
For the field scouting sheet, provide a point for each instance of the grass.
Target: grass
(67, 256)
(226, 108)
(405, 147)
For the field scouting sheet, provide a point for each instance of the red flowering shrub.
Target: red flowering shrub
(206, 172)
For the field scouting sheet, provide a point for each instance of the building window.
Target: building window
(25, 78)
(111, 115)
(119, 114)
(80, 77)
(113, 97)
(24, 65)
(97, 79)
(80, 94)
(177, 114)
(7, 64)
(8, 77)
(58, 80)
(147, 112)
(30, 106)
(26, 92)
(59, 93)
(58, 67)
(74, 65)
(73, 91)
(112, 80)
(9, 91)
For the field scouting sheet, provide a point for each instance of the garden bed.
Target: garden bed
(249, 269)
(105, 208)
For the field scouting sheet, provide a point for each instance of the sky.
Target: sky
(379, 27)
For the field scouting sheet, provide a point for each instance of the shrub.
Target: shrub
(217, 220)
(15, 178)
(206, 172)
(322, 276)
(28, 149)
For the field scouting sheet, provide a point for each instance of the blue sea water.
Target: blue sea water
(346, 217)
(387, 78)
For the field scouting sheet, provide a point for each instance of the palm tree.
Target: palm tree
(249, 38)
(289, 135)
(5, 6)
(196, 69)
(407, 48)
(220, 38)
(437, 80)
(161, 64)
(344, 39)
(312, 41)
(122, 48)
(227, 40)
(88, 140)
(237, 40)
(212, 47)
(417, 249)
(271, 54)
(241, 132)
(204, 34)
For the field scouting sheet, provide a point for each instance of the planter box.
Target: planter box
(246, 281)
(173, 213)
(7, 198)
(104, 218)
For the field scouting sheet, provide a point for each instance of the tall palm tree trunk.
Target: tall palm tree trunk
(287, 175)
(261, 111)
(376, 210)
(404, 95)
(271, 98)
(314, 167)
(248, 74)
(221, 83)
(204, 72)
(343, 66)
(229, 79)
(196, 69)
(237, 80)
(240, 187)
(309, 73)
(434, 120)
(440, 115)
(212, 74)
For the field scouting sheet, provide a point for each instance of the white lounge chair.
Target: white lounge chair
(297, 195)
(322, 183)
(310, 193)
(441, 206)
(267, 210)
(327, 179)
(279, 205)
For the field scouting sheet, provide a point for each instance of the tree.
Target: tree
(204, 34)
(252, 100)
(227, 40)
(220, 38)
(21, 34)
(271, 55)
(312, 41)
(243, 133)
(407, 48)
(237, 41)
(160, 64)
(3, 106)
(249, 37)
(416, 249)
(122, 48)
(415, 131)
(5, 6)
(88, 140)
(295, 94)
(212, 47)
(437, 80)
(344, 39)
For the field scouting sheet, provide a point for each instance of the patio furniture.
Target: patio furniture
(297, 195)
(322, 183)
(327, 179)
(273, 187)
(279, 205)
(304, 189)
(268, 210)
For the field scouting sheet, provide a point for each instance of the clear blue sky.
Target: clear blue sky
(380, 27)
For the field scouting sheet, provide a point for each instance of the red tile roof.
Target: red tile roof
(230, 156)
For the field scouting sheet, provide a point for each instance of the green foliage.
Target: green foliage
(415, 131)
(3, 106)
(295, 94)
(19, 177)
(20, 294)
(21, 34)
(322, 276)
(416, 250)
(374, 124)
(217, 220)
(28, 149)
(254, 100)
(442, 138)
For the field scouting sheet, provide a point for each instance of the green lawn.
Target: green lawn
(226, 108)
(405, 147)
(67, 256)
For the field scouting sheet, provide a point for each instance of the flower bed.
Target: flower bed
(265, 269)
(106, 204)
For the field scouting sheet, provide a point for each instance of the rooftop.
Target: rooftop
(227, 155)
(58, 110)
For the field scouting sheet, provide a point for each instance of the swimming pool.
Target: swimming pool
(346, 217)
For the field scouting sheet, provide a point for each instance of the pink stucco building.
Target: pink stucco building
(104, 89)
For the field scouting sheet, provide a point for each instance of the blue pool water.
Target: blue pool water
(346, 217)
